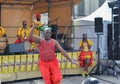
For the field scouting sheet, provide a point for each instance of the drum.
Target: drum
(3, 45)
(27, 45)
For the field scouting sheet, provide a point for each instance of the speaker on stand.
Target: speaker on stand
(98, 25)
(99, 31)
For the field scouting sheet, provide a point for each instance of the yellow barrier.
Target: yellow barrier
(17, 63)
(59, 58)
(75, 57)
(23, 63)
(5, 65)
(0, 64)
(63, 62)
(35, 62)
(29, 62)
(94, 58)
(69, 65)
(11, 64)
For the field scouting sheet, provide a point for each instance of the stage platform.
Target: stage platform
(104, 79)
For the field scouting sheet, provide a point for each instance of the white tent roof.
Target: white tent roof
(104, 11)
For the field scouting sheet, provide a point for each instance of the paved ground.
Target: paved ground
(104, 79)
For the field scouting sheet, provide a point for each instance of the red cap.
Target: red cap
(38, 15)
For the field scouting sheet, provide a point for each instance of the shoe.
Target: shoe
(83, 73)
(86, 72)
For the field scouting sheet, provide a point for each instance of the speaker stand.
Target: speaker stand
(97, 66)
(110, 68)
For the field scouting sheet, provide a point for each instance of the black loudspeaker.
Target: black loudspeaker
(113, 44)
(109, 40)
(15, 48)
(98, 25)
(54, 28)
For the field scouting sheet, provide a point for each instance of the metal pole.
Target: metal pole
(0, 14)
(48, 12)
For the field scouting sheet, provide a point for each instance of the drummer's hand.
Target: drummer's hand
(22, 40)
(34, 25)
(25, 39)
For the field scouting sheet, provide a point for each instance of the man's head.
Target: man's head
(47, 33)
(24, 24)
(84, 36)
(38, 16)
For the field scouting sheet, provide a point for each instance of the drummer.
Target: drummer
(3, 39)
(38, 30)
(22, 33)
(2, 32)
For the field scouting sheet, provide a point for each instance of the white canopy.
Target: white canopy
(104, 11)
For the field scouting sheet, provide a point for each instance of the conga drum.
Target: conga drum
(3, 44)
(27, 45)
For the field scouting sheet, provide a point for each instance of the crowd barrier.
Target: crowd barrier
(24, 66)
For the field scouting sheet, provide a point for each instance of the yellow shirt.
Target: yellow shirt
(37, 31)
(2, 31)
(85, 45)
(23, 33)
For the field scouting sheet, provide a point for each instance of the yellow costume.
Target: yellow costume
(23, 33)
(84, 45)
(4, 43)
(37, 33)
(2, 32)
(85, 54)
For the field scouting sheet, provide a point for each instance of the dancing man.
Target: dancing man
(48, 63)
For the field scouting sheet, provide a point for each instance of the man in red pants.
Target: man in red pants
(48, 63)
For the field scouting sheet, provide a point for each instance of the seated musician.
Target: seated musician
(85, 58)
(3, 39)
(22, 33)
(2, 32)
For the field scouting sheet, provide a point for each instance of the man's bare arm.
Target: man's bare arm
(63, 52)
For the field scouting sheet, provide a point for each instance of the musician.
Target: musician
(23, 33)
(37, 30)
(3, 39)
(2, 32)
(85, 57)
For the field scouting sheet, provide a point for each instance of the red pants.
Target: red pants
(85, 55)
(50, 71)
(18, 41)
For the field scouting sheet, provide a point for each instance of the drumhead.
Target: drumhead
(27, 45)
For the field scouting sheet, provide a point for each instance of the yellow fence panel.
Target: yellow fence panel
(5, 65)
(11, 64)
(29, 62)
(35, 62)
